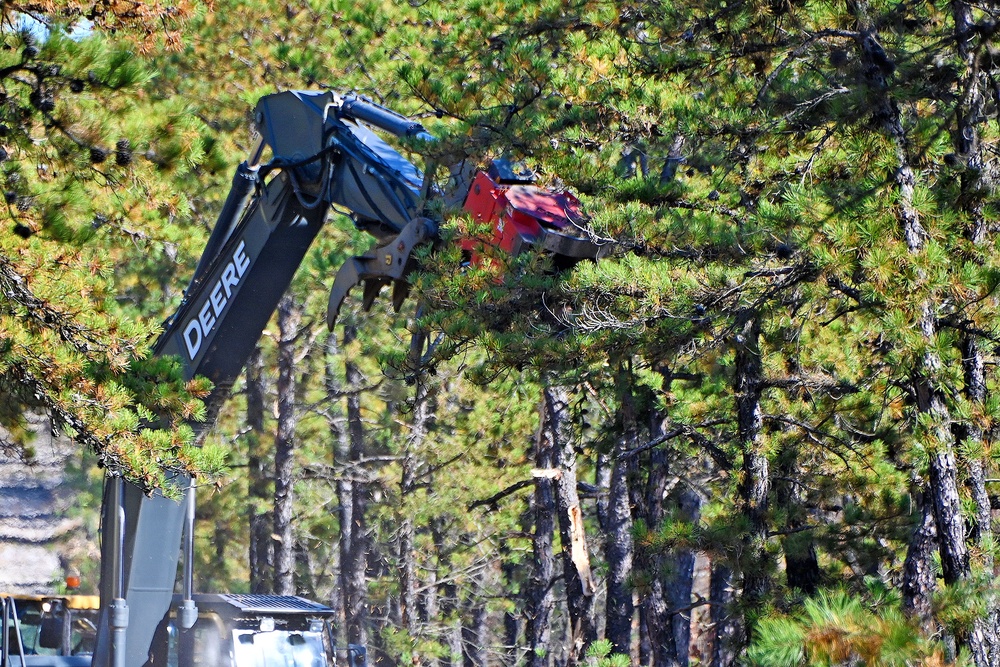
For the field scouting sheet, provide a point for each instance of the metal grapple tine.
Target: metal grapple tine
(348, 276)
(372, 288)
(380, 266)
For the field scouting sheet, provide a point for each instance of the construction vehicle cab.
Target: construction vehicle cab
(50, 630)
(251, 631)
(231, 630)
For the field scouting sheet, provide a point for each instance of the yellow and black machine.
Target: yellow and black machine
(38, 628)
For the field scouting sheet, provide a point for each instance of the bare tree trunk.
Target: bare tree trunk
(351, 494)
(678, 585)
(653, 607)
(305, 579)
(575, 555)
(618, 546)
(261, 547)
(430, 604)
(728, 636)
(947, 511)
(474, 636)
(918, 569)
(971, 436)
(453, 624)
(419, 427)
(540, 599)
(407, 556)
(289, 317)
(618, 552)
(436, 603)
(976, 181)
(754, 483)
(927, 376)
(511, 619)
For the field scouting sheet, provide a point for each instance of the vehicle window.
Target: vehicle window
(210, 649)
(83, 632)
(29, 616)
(278, 649)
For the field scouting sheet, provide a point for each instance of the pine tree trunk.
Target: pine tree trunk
(925, 380)
(575, 555)
(971, 436)
(540, 599)
(419, 428)
(976, 180)
(754, 483)
(654, 640)
(728, 636)
(679, 582)
(618, 546)
(261, 546)
(918, 583)
(435, 603)
(453, 626)
(618, 551)
(474, 636)
(289, 317)
(342, 485)
(351, 495)
(928, 382)
(947, 511)
(305, 569)
(511, 619)
(407, 569)
(431, 608)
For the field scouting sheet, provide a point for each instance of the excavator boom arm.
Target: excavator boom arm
(323, 154)
(320, 157)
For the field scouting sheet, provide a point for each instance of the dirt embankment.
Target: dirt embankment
(42, 534)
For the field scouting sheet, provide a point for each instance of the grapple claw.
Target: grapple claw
(380, 266)
(372, 288)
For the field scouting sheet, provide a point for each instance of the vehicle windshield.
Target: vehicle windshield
(44, 632)
(277, 648)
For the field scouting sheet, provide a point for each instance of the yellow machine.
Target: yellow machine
(53, 625)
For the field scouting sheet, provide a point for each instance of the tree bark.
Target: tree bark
(261, 547)
(419, 427)
(540, 599)
(511, 619)
(927, 376)
(289, 318)
(754, 483)
(728, 636)
(917, 587)
(580, 585)
(975, 183)
(654, 639)
(618, 550)
(678, 584)
(474, 635)
(618, 546)
(351, 495)
(453, 626)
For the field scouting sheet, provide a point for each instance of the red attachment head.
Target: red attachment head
(519, 214)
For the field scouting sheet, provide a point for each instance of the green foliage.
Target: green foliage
(838, 628)
(601, 652)
(742, 160)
